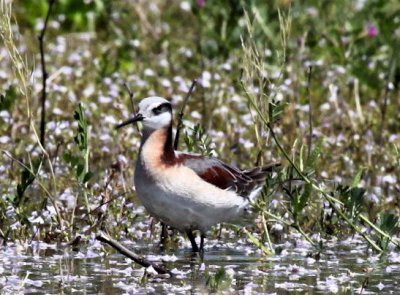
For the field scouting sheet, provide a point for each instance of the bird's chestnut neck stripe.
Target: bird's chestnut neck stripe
(168, 155)
(164, 147)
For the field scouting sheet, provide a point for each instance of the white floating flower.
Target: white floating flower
(380, 286)
(5, 114)
(104, 99)
(185, 5)
(57, 111)
(4, 139)
(134, 43)
(149, 72)
(163, 63)
(391, 179)
(166, 83)
(109, 120)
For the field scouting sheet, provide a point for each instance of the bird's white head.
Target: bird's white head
(154, 112)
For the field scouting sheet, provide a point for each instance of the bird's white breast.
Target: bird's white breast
(178, 196)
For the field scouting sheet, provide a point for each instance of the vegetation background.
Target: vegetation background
(315, 83)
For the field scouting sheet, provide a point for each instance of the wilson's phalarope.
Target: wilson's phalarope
(187, 191)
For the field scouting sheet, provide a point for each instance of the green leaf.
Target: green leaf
(305, 196)
(314, 155)
(67, 157)
(275, 110)
(79, 171)
(353, 199)
(8, 99)
(81, 138)
(87, 177)
(71, 159)
(27, 177)
(11, 198)
(198, 141)
(301, 156)
(388, 222)
(357, 178)
(220, 280)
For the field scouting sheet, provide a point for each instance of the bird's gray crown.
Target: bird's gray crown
(152, 102)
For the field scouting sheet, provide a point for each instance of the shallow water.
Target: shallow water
(344, 267)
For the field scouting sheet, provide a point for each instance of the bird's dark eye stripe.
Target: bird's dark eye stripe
(162, 108)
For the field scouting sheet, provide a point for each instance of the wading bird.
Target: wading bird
(186, 191)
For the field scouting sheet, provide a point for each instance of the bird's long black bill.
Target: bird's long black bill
(137, 118)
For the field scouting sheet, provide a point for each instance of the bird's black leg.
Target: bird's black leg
(164, 235)
(202, 236)
(190, 235)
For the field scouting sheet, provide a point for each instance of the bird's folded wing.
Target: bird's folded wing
(224, 176)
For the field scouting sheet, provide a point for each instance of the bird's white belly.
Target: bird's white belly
(183, 200)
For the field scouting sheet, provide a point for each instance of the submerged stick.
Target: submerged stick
(103, 237)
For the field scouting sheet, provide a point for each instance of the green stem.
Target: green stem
(300, 230)
(257, 242)
(355, 227)
(86, 170)
(366, 220)
(267, 233)
(296, 227)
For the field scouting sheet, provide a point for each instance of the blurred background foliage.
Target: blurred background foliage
(362, 35)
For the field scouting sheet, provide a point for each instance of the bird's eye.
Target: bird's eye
(161, 108)
(158, 110)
